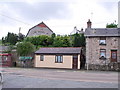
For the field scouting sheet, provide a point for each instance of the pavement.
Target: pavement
(57, 78)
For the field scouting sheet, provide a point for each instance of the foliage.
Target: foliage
(0, 42)
(41, 40)
(12, 39)
(62, 41)
(79, 40)
(21, 37)
(76, 40)
(25, 48)
(112, 25)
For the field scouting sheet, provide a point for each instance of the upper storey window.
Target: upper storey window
(102, 41)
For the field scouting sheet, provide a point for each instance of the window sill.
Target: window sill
(102, 58)
(102, 44)
(58, 62)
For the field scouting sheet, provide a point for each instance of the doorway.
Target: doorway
(75, 62)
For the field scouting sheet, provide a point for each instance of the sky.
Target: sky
(61, 16)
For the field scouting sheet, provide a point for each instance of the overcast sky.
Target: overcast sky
(59, 15)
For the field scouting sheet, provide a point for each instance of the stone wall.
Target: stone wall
(93, 60)
(114, 66)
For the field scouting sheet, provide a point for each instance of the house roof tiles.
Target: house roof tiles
(59, 50)
(102, 32)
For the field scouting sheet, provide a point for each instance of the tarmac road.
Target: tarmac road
(56, 78)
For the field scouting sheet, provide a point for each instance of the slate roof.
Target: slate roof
(89, 32)
(59, 50)
(3, 48)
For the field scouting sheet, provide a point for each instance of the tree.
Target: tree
(25, 48)
(112, 25)
(79, 40)
(11, 39)
(62, 41)
(82, 40)
(21, 37)
(41, 40)
(76, 41)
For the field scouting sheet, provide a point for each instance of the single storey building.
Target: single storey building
(58, 57)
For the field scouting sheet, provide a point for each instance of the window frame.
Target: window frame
(41, 57)
(114, 59)
(102, 51)
(59, 61)
(101, 42)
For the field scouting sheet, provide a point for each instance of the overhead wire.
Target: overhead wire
(14, 19)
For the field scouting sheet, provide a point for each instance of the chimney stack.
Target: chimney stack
(89, 23)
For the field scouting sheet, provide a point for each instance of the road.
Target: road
(56, 78)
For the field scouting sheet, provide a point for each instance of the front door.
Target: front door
(113, 55)
(75, 62)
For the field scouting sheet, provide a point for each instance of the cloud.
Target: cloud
(60, 15)
(39, 11)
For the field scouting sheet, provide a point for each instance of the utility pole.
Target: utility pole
(19, 29)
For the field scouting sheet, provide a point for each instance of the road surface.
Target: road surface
(56, 78)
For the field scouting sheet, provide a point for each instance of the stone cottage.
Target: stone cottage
(40, 29)
(102, 48)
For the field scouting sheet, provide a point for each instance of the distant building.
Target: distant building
(102, 48)
(40, 29)
(77, 31)
(119, 14)
(5, 58)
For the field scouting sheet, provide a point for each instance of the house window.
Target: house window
(102, 41)
(102, 53)
(59, 59)
(41, 58)
(113, 55)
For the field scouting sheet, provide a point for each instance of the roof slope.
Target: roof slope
(3, 48)
(42, 24)
(102, 32)
(59, 50)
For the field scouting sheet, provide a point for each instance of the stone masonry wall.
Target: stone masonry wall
(93, 53)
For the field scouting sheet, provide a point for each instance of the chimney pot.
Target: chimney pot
(89, 23)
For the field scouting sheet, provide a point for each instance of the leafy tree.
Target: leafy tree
(25, 48)
(21, 37)
(61, 41)
(79, 40)
(53, 35)
(12, 38)
(76, 41)
(41, 40)
(82, 40)
(112, 25)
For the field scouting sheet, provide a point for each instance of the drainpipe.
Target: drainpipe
(87, 62)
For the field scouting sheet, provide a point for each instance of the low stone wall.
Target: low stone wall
(114, 66)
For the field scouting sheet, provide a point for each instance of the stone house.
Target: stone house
(40, 29)
(102, 48)
(59, 57)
